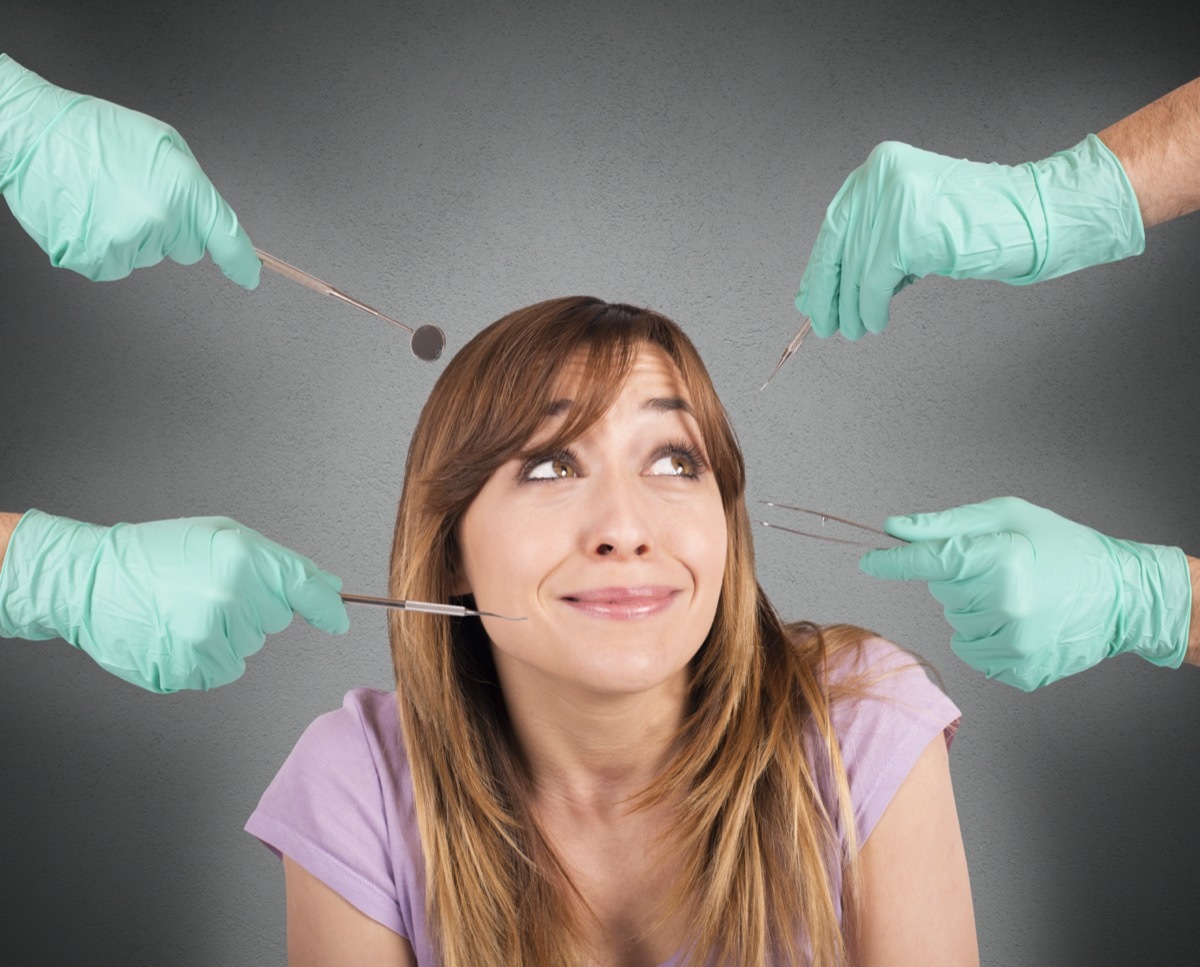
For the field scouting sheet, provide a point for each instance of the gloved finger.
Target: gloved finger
(881, 279)
(207, 677)
(990, 516)
(822, 280)
(259, 576)
(994, 655)
(224, 239)
(223, 658)
(273, 613)
(318, 602)
(219, 232)
(817, 297)
(850, 322)
(968, 610)
(311, 592)
(821, 309)
(949, 560)
(856, 245)
(234, 254)
(991, 655)
(230, 623)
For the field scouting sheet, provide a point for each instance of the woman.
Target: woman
(649, 768)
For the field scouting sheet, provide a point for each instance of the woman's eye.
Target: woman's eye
(673, 465)
(551, 469)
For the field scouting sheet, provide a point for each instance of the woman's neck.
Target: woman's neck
(587, 751)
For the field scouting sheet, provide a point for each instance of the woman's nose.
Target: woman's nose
(605, 548)
(620, 523)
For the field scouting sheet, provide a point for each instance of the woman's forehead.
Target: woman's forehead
(651, 373)
(653, 391)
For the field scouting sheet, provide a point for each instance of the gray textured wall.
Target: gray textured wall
(450, 163)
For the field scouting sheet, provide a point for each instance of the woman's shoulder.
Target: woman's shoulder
(861, 671)
(365, 732)
(876, 685)
(884, 708)
(853, 654)
(363, 712)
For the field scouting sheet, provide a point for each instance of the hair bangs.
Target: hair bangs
(567, 356)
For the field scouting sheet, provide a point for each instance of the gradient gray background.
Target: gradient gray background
(451, 163)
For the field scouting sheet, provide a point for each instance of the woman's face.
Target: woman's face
(612, 549)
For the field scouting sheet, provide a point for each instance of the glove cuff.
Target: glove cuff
(1089, 212)
(1156, 607)
(29, 105)
(46, 574)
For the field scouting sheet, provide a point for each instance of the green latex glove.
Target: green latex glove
(1034, 597)
(105, 190)
(166, 605)
(907, 213)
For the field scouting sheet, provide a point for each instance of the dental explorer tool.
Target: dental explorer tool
(453, 610)
(427, 342)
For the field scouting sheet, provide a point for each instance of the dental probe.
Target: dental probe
(427, 342)
(453, 610)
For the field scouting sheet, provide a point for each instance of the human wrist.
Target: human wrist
(47, 560)
(1090, 213)
(1193, 646)
(8, 523)
(1156, 602)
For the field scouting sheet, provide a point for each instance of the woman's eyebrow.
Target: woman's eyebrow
(659, 404)
(668, 404)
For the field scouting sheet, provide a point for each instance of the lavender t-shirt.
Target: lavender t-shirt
(342, 804)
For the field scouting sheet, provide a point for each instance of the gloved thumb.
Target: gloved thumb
(987, 517)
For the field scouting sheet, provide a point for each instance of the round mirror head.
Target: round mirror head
(428, 343)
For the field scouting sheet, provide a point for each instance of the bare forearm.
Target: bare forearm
(7, 523)
(1193, 648)
(1159, 148)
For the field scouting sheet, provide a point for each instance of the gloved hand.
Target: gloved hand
(907, 213)
(1034, 597)
(105, 190)
(165, 605)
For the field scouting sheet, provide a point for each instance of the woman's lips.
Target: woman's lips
(622, 604)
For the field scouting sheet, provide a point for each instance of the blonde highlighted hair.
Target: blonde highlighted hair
(758, 850)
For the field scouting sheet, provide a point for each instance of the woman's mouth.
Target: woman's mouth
(623, 604)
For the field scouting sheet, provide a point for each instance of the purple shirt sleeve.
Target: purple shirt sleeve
(883, 733)
(342, 808)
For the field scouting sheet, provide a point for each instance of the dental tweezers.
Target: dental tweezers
(826, 517)
(788, 352)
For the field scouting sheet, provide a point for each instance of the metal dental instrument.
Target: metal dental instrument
(453, 610)
(824, 518)
(787, 353)
(427, 342)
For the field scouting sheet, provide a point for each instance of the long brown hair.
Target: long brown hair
(757, 846)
